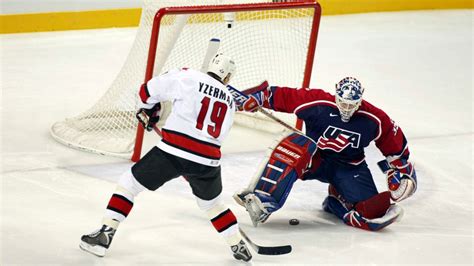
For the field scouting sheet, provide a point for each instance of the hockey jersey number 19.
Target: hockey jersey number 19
(201, 117)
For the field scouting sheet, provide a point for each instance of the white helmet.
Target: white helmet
(221, 66)
(348, 97)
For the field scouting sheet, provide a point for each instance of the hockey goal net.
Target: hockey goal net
(268, 40)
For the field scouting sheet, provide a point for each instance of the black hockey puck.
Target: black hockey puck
(294, 222)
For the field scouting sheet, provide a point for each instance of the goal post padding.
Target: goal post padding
(272, 41)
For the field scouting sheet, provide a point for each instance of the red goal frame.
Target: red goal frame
(228, 8)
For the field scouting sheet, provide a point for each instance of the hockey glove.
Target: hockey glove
(149, 117)
(401, 178)
(257, 97)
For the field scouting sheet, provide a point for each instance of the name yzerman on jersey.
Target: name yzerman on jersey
(216, 93)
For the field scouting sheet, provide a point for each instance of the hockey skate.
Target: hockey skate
(98, 242)
(239, 197)
(253, 205)
(241, 252)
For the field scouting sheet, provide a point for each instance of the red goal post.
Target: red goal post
(243, 14)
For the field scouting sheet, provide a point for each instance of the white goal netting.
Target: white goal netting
(270, 43)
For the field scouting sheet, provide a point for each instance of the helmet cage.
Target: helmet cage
(347, 108)
(348, 97)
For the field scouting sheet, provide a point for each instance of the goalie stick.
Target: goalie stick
(240, 97)
(273, 250)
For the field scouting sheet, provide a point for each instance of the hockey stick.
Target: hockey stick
(158, 131)
(240, 97)
(278, 120)
(273, 250)
(143, 120)
(212, 49)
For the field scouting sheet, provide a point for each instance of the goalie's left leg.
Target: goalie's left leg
(287, 161)
(372, 214)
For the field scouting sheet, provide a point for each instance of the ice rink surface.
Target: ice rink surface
(417, 66)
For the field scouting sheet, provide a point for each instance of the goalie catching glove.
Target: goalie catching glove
(149, 117)
(401, 178)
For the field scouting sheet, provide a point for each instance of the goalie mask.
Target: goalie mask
(348, 97)
(222, 66)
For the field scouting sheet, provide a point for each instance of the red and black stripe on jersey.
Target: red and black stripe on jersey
(224, 220)
(120, 204)
(194, 146)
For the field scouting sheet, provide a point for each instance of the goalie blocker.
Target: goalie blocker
(286, 161)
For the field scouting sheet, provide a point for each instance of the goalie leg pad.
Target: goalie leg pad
(374, 213)
(288, 162)
(273, 190)
(393, 214)
(375, 206)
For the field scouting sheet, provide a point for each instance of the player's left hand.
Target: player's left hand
(401, 178)
(149, 117)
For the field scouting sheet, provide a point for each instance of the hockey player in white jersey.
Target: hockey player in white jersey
(200, 120)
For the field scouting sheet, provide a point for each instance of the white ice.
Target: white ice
(417, 66)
